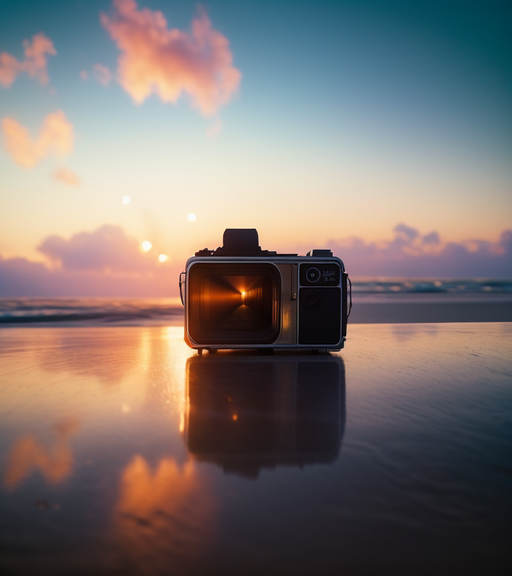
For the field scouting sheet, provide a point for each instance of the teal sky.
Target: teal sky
(349, 118)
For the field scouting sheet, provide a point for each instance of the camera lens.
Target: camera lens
(313, 274)
(313, 301)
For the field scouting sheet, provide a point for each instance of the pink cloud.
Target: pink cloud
(34, 64)
(66, 177)
(432, 239)
(107, 249)
(108, 262)
(406, 231)
(55, 138)
(102, 74)
(169, 62)
(20, 277)
(409, 254)
(105, 262)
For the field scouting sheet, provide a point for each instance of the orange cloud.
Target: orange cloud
(171, 62)
(102, 74)
(34, 64)
(66, 176)
(164, 518)
(28, 454)
(55, 138)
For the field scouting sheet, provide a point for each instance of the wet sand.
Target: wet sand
(122, 452)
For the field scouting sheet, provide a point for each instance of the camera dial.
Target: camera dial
(313, 274)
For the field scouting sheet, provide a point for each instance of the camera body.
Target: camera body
(240, 296)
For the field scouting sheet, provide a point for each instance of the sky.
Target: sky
(382, 130)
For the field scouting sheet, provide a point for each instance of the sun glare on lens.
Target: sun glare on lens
(192, 217)
(126, 199)
(162, 258)
(146, 245)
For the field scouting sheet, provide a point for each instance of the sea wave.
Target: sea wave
(130, 311)
(431, 285)
(90, 310)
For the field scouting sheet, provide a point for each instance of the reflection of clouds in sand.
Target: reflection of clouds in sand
(402, 332)
(131, 378)
(108, 355)
(112, 355)
(28, 454)
(90, 353)
(163, 518)
(504, 328)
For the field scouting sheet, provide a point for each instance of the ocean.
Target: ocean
(366, 292)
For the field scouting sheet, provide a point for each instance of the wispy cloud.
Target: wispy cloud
(55, 138)
(170, 62)
(66, 177)
(34, 64)
(102, 74)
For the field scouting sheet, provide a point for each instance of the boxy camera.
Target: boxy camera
(240, 296)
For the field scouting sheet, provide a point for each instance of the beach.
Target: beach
(373, 301)
(324, 186)
(124, 452)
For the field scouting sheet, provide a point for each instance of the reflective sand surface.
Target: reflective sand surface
(123, 452)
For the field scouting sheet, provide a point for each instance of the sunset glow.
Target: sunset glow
(385, 137)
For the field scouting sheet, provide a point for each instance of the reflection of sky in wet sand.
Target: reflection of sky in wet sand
(163, 517)
(94, 422)
(28, 454)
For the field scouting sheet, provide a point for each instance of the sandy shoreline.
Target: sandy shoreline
(124, 452)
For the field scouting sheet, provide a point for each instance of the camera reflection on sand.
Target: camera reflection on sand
(246, 413)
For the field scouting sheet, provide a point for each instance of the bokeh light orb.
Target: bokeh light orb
(162, 258)
(146, 245)
(192, 217)
(126, 199)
